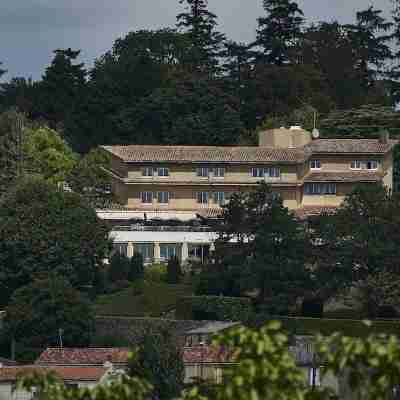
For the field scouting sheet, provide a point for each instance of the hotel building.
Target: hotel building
(180, 182)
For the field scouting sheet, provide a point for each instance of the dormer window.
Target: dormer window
(315, 164)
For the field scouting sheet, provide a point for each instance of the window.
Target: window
(203, 172)
(121, 248)
(315, 164)
(202, 197)
(163, 197)
(273, 172)
(355, 164)
(257, 172)
(219, 198)
(146, 250)
(163, 171)
(320, 188)
(370, 164)
(147, 197)
(148, 171)
(219, 172)
(168, 251)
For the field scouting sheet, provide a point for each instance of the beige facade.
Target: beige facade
(303, 171)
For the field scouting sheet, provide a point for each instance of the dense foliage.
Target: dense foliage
(45, 312)
(264, 369)
(190, 84)
(158, 360)
(44, 229)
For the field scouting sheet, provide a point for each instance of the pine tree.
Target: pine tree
(205, 41)
(11, 148)
(174, 271)
(279, 32)
(62, 86)
(370, 38)
(2, 71)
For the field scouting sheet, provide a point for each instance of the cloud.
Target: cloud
(31, 29)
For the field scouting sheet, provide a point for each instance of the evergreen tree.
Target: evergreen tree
(371, 40)
(205, 41)
(39, 310)
(11, 148)
(2, 71)
(136, 268)
(174, 271)
(118, 269)
(62, 86)
(278, 33)
(159, 361)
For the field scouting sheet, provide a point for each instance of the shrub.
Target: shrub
(214, 308)
(156, 273)
(174, 271)
(136, 268)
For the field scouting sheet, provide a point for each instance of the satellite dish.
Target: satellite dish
(315, 133)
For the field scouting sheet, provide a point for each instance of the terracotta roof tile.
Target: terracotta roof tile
(350, 146)
(65, 373)
(243, 154)
(199, 154)
(310, 211)
(207, 354)
(356, 176)
(83, 356)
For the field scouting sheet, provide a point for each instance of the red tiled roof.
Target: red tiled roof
(350, 146)
(310, 211)
(65, 373)
(207, 354)
(248, 155)
(199, 154)
(83, 356)
(355, 176)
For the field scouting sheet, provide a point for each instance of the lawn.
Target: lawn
(155, 299)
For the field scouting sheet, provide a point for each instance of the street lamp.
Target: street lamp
(201, 343)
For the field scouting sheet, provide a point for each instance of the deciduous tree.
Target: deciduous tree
(44, 230)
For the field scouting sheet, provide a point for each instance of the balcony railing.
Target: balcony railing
(142, 228)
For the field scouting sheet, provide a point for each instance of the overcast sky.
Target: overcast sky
(31, 29)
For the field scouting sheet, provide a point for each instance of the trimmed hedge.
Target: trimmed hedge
(324, 326)
(216, 308)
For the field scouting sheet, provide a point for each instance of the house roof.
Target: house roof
(83, 356)
(356, 176)
(65, 373)
(201, 154)
(350, 146)
(310, 211)
(207, 354)
(212, 327)
(6, 361)
(249, 154)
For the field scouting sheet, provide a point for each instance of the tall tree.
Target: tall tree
(205, 41)
(11, 148)
(2, 71)
(371, 38)
(62, 86)
(191, 112)
(159, 361)
(279, 31)
(45, 309)
(259, 237)
(44, 229)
